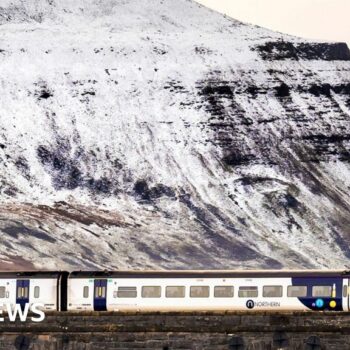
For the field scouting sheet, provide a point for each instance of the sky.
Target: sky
(314, 19)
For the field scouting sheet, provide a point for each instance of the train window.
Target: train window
(345, 291)
(151, 292)
(2, 292)
(272, 291)
(175, 292)
(36, 292)
(199, 292)
(22, 292)
(248, 292)
(86, 292)
(100, 292)
(297, 291)
(127, 292)
(321, 291)
(223, 291)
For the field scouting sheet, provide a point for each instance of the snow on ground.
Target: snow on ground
(161, 134)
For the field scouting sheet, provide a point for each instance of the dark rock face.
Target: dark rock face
(283, 90)
(282, 50)
(278, 50)
(325, 51)
(66, 171)
(245, 140)
(147, 194)
(162, 141)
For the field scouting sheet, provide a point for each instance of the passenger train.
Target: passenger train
(178, 290)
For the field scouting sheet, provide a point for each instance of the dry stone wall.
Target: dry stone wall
(232, 331)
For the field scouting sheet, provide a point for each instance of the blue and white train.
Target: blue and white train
(178, 290)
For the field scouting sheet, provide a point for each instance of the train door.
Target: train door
(100, 295)
(345, 292)
(22, 293)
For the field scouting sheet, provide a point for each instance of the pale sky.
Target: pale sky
(314, 19)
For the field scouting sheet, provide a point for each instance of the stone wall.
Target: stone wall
(237, 331)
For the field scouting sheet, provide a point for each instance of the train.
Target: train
(139, 291)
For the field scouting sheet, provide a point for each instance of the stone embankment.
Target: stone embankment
(236, 331)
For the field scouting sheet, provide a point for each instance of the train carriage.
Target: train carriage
(208, 290)
(46, 288)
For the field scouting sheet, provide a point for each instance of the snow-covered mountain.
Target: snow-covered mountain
(161, 134)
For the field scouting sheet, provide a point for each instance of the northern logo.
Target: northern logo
(250, 304)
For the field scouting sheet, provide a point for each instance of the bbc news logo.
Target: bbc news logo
(15, 312)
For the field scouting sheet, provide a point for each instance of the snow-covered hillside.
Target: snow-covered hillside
(161, 134)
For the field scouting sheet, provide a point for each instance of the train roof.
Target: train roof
(177, 274)
(31, 274)
(208, 273)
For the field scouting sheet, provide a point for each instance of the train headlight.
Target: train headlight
(333, 304)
